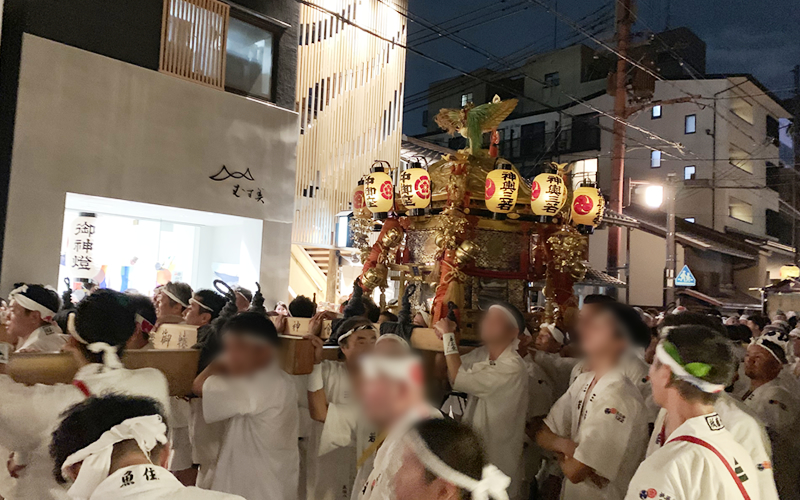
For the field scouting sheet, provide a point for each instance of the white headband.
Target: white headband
(493, 483)
(407, 368)
(195, 301)
(508, 313)
(28, 303)
(147, 431)
(680, 372)
(110, 356)
(173, 297)
(555, 332)
(354, 330)
(398, 338)
(760, 342)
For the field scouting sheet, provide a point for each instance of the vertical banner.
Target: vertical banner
(80, 254)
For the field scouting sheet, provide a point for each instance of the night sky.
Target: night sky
(761, 37)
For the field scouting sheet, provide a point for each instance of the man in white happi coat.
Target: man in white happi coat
(598, 429)
(246, 389)
(496, 382)
(392, 395)
(776, 406)
(28, 414)
(700, 459)
(30, 325)
(332, 399)
(115, 447)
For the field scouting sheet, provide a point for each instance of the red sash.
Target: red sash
(692, 439)
(82, 387)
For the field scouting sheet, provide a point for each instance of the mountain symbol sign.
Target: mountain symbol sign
(685, 278)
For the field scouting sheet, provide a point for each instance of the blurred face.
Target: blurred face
(380, 399)
(496, 327)
(600, 336)
(243, 356)
(167, 307)
(195, 314)
(760, 364)
(22, 322)
(410, 483)
(545, 342)
(659, 380)
(756, 331)
(282, 310)
(586, 315)
(358, 343)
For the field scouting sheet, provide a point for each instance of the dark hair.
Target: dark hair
(302, 307)
(85, 422)
(738, 333)
(760, 320)
(792, 322)
(254, 324)
(104, 316)
(455, 444)
(345, 326)
(597, 298)
(390, 315)
(44, 296)
(211, 299)
(691, 318)
(143, 306)
(629, 322)
(699, 344)
(180, 290)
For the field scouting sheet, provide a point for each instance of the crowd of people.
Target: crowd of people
(625, 404)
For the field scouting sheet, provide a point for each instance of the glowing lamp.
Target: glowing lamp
(548, 195)
(587, 208)
(502, 188)
(379, 192)
(790, 272)
(415, 189)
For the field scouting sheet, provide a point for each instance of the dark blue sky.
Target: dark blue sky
(761, 37)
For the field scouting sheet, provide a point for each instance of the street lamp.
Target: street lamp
(654, 196)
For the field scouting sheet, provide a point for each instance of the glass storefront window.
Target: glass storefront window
(248, 67)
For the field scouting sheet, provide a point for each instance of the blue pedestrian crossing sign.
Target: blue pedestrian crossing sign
(685, 278)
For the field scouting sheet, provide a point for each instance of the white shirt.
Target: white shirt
(29, 414)
(497, 406)
(540, 389)
(259, 458)
(151, 482)
(779, 409)
(746, 430)
(46, 338)
(687, 471)
(558, 368)
(375, 479)
(336, 465)
(609, 426)
(637, 371)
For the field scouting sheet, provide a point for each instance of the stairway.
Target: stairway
(320, 257)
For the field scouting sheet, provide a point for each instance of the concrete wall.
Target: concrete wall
(93, 125)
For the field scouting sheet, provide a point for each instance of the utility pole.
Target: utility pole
(669, 266)
(624, 22)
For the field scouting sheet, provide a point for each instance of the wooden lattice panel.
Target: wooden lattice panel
(193, 40)
(350, 101)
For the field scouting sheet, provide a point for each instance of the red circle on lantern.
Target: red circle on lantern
(387, 191)
(358, 199)
(490, 188)
(536, 190)
(651, 493)
(423, 187)
(583, 204)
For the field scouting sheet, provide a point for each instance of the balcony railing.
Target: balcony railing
(543, 146)
(193, 39)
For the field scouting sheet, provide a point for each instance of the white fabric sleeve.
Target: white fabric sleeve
(481, 379)
(339, 429)
(540, 399)
(559, 419)
(226, 397)
(779, 411)
(604, 436)
(27, 413)
(181, 449)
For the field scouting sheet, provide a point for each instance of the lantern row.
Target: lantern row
(549, 194)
